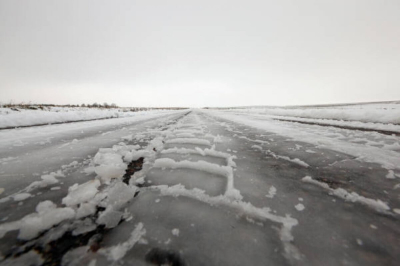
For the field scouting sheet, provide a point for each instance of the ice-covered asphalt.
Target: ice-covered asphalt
(211, 192)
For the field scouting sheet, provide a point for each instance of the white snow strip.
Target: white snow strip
(117, 252)
(188, 131)
(377, 205)
(254, 140)
(189, 141)
(341, 123)
(286, 158)
(211, 168)
(185, 135)
(257, 147)
(206, 152)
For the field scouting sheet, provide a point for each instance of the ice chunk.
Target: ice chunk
(84, 226)
(85, 209)
(109, 164)
(110, 218)
(271, 192)
(103, 157)
(110, 171)
(81, 193)
(49, 179)
(120, 194)
(299, 207)
(117, 196)
(390, 175)
(175, 232)
(21, 196)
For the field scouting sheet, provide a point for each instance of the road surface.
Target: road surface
(210, 192)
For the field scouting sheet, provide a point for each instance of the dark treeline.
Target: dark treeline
(35, 106)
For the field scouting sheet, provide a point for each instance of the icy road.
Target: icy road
(198, 188)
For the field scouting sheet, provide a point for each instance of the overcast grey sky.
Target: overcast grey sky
(199, 53)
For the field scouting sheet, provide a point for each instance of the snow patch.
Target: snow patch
(299, 207)
(271, 192)
(175, 232)
(390, 174)
(21, 196)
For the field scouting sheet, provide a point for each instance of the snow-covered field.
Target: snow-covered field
(19, 117)
(368, 146)
(375, 116)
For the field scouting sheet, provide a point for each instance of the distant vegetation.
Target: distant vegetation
(31, 106)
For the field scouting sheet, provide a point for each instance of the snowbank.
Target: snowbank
(23, 117)
(369, 113)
